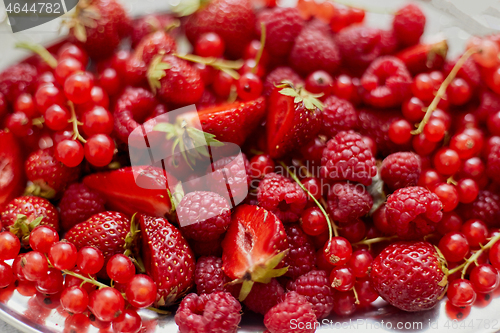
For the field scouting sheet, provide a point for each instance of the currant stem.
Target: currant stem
(329, 222)
(442, 90)
(75, 122)
(226, 66)
(375, 240)
(355, 295)
(40, 50)
(262, 44)
(83, 278)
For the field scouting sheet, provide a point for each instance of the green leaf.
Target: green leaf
(289, 92)
(164, 127)
(156, 72)
(308, 104)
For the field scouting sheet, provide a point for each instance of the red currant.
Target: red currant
(128, 322)
(6, 275)
(106, 304)
(342, 278)
(74, 299)
(24, 103)
(464, 145)
(209, 45)
(320, 82)
(354, 232)
(9, 245)
(434, 130)
(459, 91)
(46, 95)
(423, 87)
(69, 50)
(42, 238)
(454, 246)
(57, 117)
(413, 110)
(69, 152)
(494, 255)
(446, 161)
(429, 179)
(97, 121)
(467, 190)
(120, 268)
(484, 278)
(52, 283)
(366, 293)
(141, 291)
(461, 293)
(249, 86)
(400, 131)
(110, 81)
(448, 195)
(89, 260)
(222, 84)
(450, 222)
(62, 255)
(422, 145)
(78, 87)
(313, 221)
(337, 251)
(34, 266)
(361, 263)
(65, 67)
(476, 232)
(18, 123)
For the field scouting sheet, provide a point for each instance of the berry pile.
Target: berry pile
(368, 165)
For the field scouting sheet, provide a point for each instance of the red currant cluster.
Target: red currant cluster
(57, 268)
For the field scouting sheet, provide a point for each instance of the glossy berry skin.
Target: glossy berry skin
(74, 299)
(98, 120)
(34, 266)
(62, 255)
(52, 283)
(42, 238)
(360, 263)
(78, 87)
(89, 260)
(128, 322)
(99, 150)
(261, 165)
(69, 152)
(484, 278)
(400, 132)
(141, 291)
(494, 255)
(337, 251)
(461, 293)
(448, 196)
(106, 303)
(454, 246)
(467, 190)
(9, 245)
(420, 280)
(476, 232)
(249, 86)
(209, 45)
(6, 275)
(120, 268)
(342, 278)
(56, 117)
(18, 123)
(446, 161)
(313, 221)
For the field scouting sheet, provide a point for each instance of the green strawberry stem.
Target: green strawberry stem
(74, 121)
(442, 89)
(474, 257)
(40, 50)
(332, 228)
(227, 66)
(262, 44)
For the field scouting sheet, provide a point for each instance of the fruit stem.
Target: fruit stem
(75, 122)
(355, 295)
(375, 240)
(227, 66)
(442, 90)
(474, 257)
(83, 278)
(262, 44)
(40, 50)
(159, 311)
(451, 181)
(329, 222)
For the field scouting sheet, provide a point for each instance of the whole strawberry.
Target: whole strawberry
(49, 176)
(33, 208)
(148, 24)
(278, 75)
(410, 275)
(232, 20)
(167, 258)
(99, 25)
(175, 80)
(17, 79)
(153, 44)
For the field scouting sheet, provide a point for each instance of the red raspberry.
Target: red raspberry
(315, 286)
(264, 296)
(388, 42)
(347, 202)
(359, 46)
(17, 79)
(208, 275)
(215, 312)
(208, 248)
(293, 307)
(493, 163)
(78, 204)
(409, 24)
(347, 157)
(386, 83)
(314, 51)
(230, 171)
(414, 211)
(278, 75)
(302, 256)
(401, 170)
(203, 216)
(282, 197)
(283, 25)
(338, 115)
(486, 207)
(409, 275)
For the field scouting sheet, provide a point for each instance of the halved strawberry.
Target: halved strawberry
(167, 258)
(254, 245)
(424, 57)
(145, 191)
(233, 122)
(293, 119)
(12, 178)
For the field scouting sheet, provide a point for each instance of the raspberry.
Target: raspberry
(282, 197)
(278, 75)
(78, 204)
(409, 275)
(409, 24)
(347, 157)
(386, 83)
(486, 208)
(493, 163)
(264, 296)
(148, 24)
(315, 286)
(338, 115)
(230, 172)
(314, 51)
(215, 312)
(16, 80)
(358, 46)
(489, 104)
(414, 211)
(293, 307)
(208, 248)
(203, 216)
(283, 25)
(388, 42)
(208, 275)
(302, 256)
(347, 202)
(401, 170)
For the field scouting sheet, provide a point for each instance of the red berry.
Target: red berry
(42, 238)
(319, 82)
(62, 255)
(47, 95)
(106, 304)
(249, 86)
(65, 67)
(423, 87)
(34, 266)
(52, 283)
(461, 293)
(448, 195)
(313, 221)
(337, 251)
(446, 161)
(9, 245)
(18, 123)
(413, 110)
(141, 291)
(459, 91)
(110, 81)
(128, 322)
(99, 150)
(222, 84)
(57, 117)
(342, 278)
(70, 153)
(261, 165)
(6, 275)
(454, 246)
(97, 121)
(494, 255)
(78, 87)
(120, 268)
(75, 299)
(361, 263)
(209, 45)
(467, 190)
(400, 131)
(434, 130)
(484, 278)
(24, 103)
(464, 145)
(69, 50)
(476, 232)
(89, 260)
(422, 145)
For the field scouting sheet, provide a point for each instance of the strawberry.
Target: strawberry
(175, 80)
(233, 122)
(167, 258)
(148, 24)
(17, 79)
(11, 169)
(99, 25)
(293, 119)
(232, 20)
(254, 245)
(424, 57)
(153, 44)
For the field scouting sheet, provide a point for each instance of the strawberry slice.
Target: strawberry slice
(233, 122)
(424, 57)
(12, 178)
(145, 191)
(293, 119)
(254, 245)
